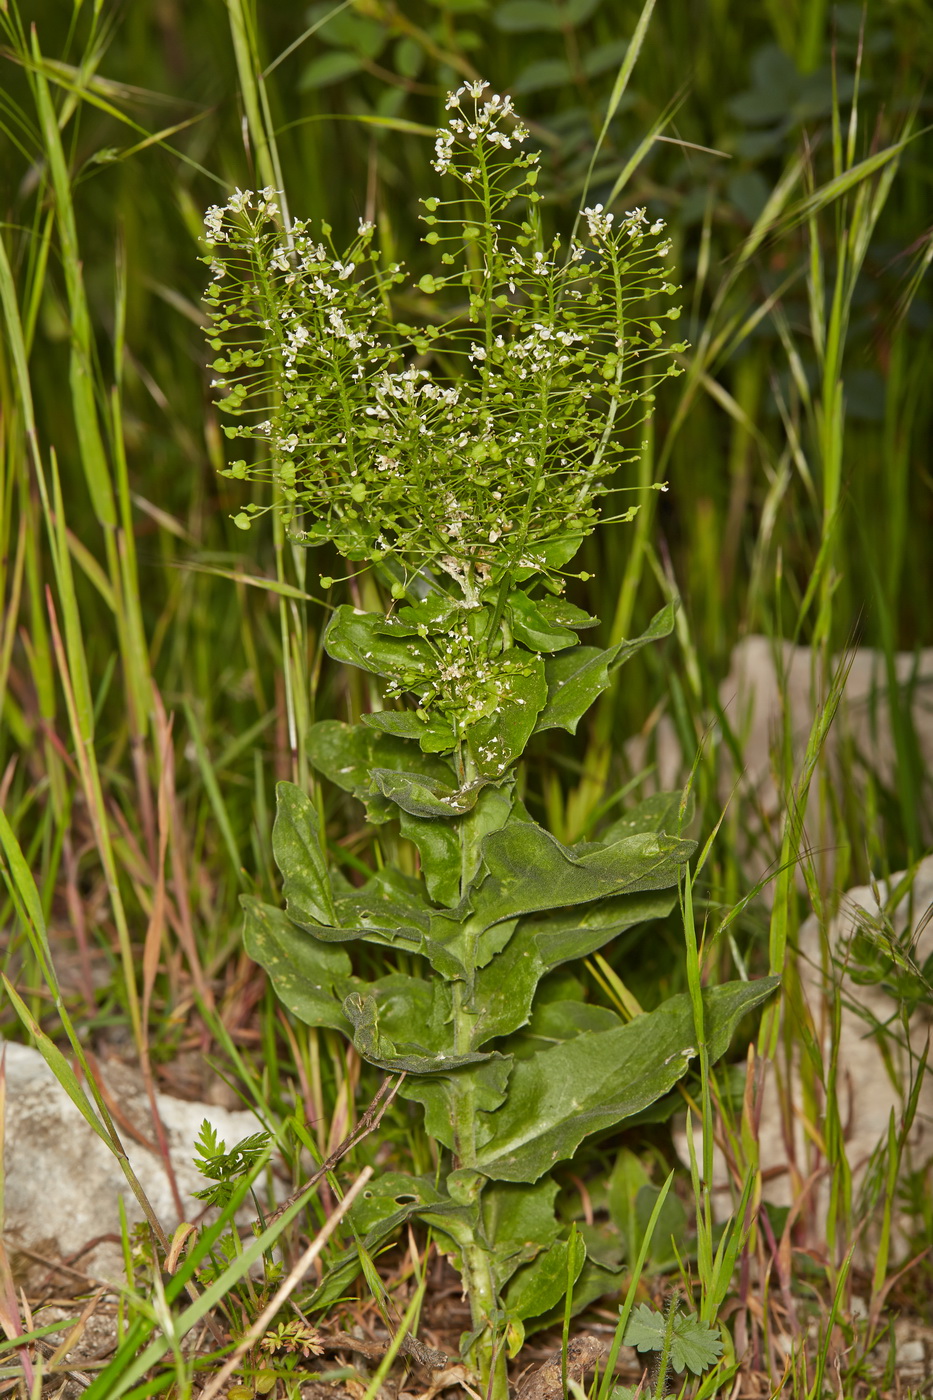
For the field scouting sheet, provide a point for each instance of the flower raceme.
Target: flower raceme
(476, 441)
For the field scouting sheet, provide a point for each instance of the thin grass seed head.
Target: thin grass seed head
(473, 443)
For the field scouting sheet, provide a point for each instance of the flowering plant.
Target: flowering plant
(462, 459)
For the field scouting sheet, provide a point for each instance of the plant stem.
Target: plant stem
(478, 1279)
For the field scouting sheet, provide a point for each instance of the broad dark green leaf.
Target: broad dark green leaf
(577, 677)
(329, 68)
(348, 753)
(486, 1083)
(538, 1286)
(604, 56)
(562, 1095)
(660, 812)
(389, 1193)
(311, 978)
(515, 699)
(518, 1222)
(527, 16)
(378, 1048)
(296, 845)
(544, 624)
(444, 1215)
(432, 735)
(423, 796)
(540, 75)
(505, 989)
(529, 870)
(558, 1021)
(369, 640)
(446, 864)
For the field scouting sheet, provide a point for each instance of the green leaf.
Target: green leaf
(562, 1095)
(423, 796)
(389, 1193)
(660, 812)
(310, 977)
(529, 870)
(515, 701)
(527, 16)
(432, 735)
(579, 11)
(374, 1045)
(505, 989)
(604, 56)
(485, 1083)
(538, 1286)
(695, 1345)
(329, 68)
(378, 645)
(519, 1223)
(443, 855)
(347, 754)
(545, 624)
(576, 678)
(558, 1021)
(296, 845)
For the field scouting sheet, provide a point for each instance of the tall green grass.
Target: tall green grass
(155, 680)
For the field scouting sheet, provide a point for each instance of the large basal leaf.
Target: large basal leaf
(575, 678)
(538, 1286)
(296, 845)
(529, 870)
(454, 1220)
(560, 1096)
(505, 988)
(311, 978)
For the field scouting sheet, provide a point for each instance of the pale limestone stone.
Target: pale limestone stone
(62, 1182)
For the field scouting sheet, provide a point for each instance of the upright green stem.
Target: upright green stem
(478, 1279)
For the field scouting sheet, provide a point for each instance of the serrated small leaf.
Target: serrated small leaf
(695, 1345)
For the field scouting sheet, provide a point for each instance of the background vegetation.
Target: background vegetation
(158, 668)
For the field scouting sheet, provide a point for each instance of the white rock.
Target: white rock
(871, 1081)
(63, 1184)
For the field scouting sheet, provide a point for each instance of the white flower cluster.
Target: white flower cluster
(633, 225)
(240, 202)
(484, 124)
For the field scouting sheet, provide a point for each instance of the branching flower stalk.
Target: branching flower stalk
(461, 455)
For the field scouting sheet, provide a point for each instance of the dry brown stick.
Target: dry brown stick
(369, 1121)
